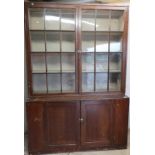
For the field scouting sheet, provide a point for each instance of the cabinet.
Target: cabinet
(76, 67)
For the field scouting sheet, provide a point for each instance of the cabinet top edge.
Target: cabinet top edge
(49, 4)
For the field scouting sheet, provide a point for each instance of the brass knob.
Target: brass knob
(81, 119)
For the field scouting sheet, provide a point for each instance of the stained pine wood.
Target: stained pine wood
(62, 124)
(121, 109)
(76, 121)
(97, 123)
(35, 126)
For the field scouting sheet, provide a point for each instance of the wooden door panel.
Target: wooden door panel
(121, 108)
(35, 126)
(96, 128)
(62, 123)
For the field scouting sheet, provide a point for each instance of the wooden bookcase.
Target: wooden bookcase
(76, 67)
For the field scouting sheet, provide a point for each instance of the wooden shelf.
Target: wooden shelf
(51, 30)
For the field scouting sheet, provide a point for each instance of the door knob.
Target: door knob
(81, 119)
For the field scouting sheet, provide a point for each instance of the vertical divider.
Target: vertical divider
(109, 49)
(80, 49)
(60, 48)
(95, 54)
(44, 14)
(76, 50)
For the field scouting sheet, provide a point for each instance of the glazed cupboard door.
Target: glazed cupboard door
(96, 123)
(52, 37)
(102, 49)
(53, 126)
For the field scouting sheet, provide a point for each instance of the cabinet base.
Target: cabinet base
(81, 149)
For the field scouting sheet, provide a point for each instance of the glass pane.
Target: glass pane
(54, 83)
(87, 82)
(117, 23)
(101, 62)
(115, 62)
(88, 40)
(52, 19)
(53, 41)
(36, 19)
(68, 62)
(116, 42)
(114, 81)
(68, 42)
(39, 83)
(37, 42)
(68, 82)
(88, 20)
(53, 62)
(102, 42)
(88, 62)
(102, 20)
(68, 20)
(38, 63)
(101, 81)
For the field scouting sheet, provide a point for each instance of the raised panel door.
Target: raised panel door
(62, 124)
(96, 125)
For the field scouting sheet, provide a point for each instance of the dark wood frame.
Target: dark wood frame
(37, 103)
(78, 70)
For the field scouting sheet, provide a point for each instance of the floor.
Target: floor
(111, 152)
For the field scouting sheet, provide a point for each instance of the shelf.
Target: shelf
(50, 52)
(106, 32)
(38, 72)
(87, 72)
(58, 72)
(37, 30)
(114, 71)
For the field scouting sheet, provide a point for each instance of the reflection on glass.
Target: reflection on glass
(68, 42)
(39, 83)
(101, 62)
(53, 41)
(88, 62)
(114, 81)
(38, 63)
(67, 20)
(53, 62)
(87, 82)
(68, 62)
(115, 62)
(37, 42)
(102, 20)
(88, 20)
(54, 83)
(52, 19)
(102, 42)
(88, 41)
(116, 42)
(117, 20)
(101, 81)
(36, 20)
(68, 82)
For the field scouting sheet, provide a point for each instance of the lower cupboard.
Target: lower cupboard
(66, 126)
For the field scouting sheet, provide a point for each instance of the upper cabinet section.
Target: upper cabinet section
(75, 48)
